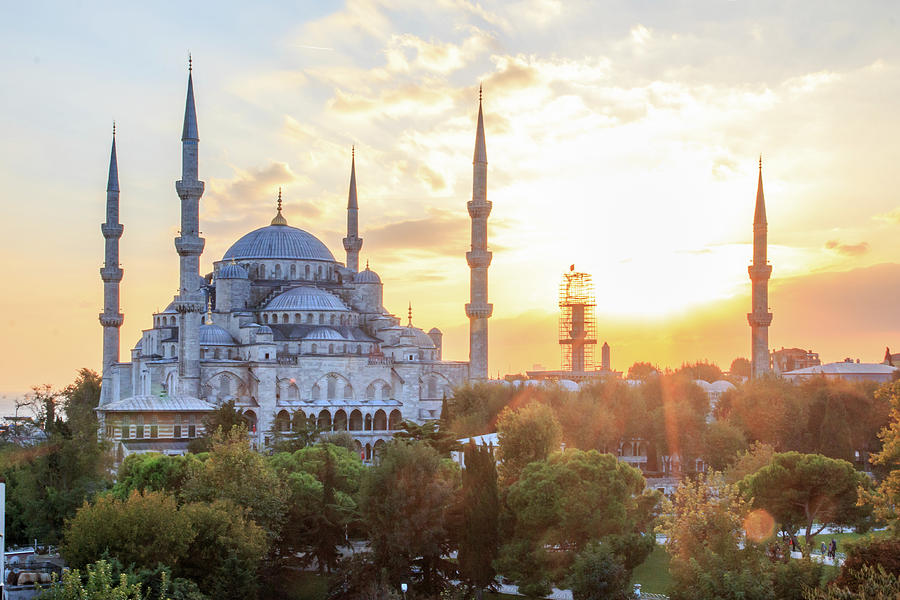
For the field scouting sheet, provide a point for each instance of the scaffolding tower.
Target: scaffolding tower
(577, 323)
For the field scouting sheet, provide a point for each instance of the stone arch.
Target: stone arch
(340, 420)
(283, 421)
(359, 448)
(377, 449)
(324, 420)
(370, 392)
(368, 423)
(298, 318)
(316, 392)
(394, 420)
(348, 391)
(293, 271)
(277, 271)
(299, 421)
(380, 421)
(386, 392)
(368, 451)
(293, 392)
(250, 419)
(356, 421)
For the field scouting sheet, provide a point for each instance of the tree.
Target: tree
(441, 439)
(404, 501)
(154, 472)
(225, 418)
(480, 503)
(740, 367)
(748, 462)
(525, 435)
(474, 408)
(704, 370)
(144, 529)
(598, 574)
(711, 557)
(768, 410)
(872, 552)
(886, 497)
(872, 583)
(641, 371)
(99, 586)
(562, 504)
(722, 443)
(800, 490)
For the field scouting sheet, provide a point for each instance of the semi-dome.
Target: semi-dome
(324, 333)
(279, 241)
(213, 335)
(232, 271)
(367, 276)
(306, 297)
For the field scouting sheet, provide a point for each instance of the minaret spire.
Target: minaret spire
(352, 243)
(190, 301)
(760, 271)
(111, 274)
(479, 257)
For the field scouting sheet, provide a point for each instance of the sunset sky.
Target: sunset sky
(622, 137)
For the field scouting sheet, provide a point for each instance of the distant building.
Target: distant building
(791, 359)
(714, 392)
(847, 370)
(491, 440)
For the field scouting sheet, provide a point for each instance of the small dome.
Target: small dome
(306, 297)
(422, 339)
(213, 335)
(367, 276)
(324, 333)
(435, 330)
(279, 241)
(264, 329)
(232, 271)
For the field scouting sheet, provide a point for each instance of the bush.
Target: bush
(598, 574)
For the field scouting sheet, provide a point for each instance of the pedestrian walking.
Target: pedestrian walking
(824, 550)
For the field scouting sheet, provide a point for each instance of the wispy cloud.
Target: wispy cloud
(847, 249)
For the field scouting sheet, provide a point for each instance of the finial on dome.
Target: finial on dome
(409, 314)
(760, 162)
(279, 218)
(190, 63)
(209, 320)
(114, 128)
(479, 93)
(367, 264)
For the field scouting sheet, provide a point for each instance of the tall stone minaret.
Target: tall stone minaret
(479, 258)
(111, 274)
(190, 301)
(760, 272)
(352, 243)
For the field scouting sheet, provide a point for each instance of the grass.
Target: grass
(653, 573)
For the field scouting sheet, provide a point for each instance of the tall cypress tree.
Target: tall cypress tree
(479, 535)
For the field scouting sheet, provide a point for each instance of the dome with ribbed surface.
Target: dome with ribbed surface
(324, 333)
(279, 241)
(213, 335)
(232, 271)
(306, 297)
(367, 276)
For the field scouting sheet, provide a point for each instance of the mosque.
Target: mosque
(279, 327)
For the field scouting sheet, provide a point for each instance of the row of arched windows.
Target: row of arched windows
(339, 421)
(310, 318)
(293, 270)
(164, 321)
(378, 389)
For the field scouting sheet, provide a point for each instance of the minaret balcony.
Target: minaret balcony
(352, 244)
(479, 311)
(111, 273)
(190, 302)
(111, 319)
(189, 189)
(759, 272)
(112, 230)
(189, 245)
(763, 319)
(479, 210)
(479, 259)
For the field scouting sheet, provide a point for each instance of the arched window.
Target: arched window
(331, 320)
(340, 421)
(359, 349)
(277, 271)
(368, 424)
(306, 271)
(348, 391)
(330, 348)
(386, 392)
(316, 392)
(262, 271)
(380, 421)
(324, 421)
(285, 318)
(283, 421)
(217, 354)
(321, 319)
(319, 272)
(293, 271)
(344, 349)
(370, 392)
(274, 317)
(313, 349)
(299, 420)
(377, 448)
(265, 317)
(356, 421)
(368, 451)
(309, 318)
(293, 393)
(332, 384)
(394, 420)
(298, 318)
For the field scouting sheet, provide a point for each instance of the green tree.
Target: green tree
(740, 367)
(154, 472)
(473, 409)
(99, 586)
(800, 490)
(704, 370)
(748, 462)
(641, 371)
(525, 435)
(598, 574)
(480, 503)
(144, 529)
(225, 418)
(722, 444)
(404, 503)
(872, 583)
(885, 498)
(441, 439)
(711, 557)
(874, 552)
(561, 504)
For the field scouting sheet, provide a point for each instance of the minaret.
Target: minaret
(479, 258)
(190, 301)
(352, 243)
(111, 274)
(760, 272)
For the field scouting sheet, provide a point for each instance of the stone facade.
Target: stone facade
(289, 333)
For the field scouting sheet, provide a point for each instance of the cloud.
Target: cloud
(847, 249)
(892, 217)
(434, 179)
(441, 233)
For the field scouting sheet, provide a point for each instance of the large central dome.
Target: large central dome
(279, 241)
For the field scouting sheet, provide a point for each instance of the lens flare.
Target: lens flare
(759, 525)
